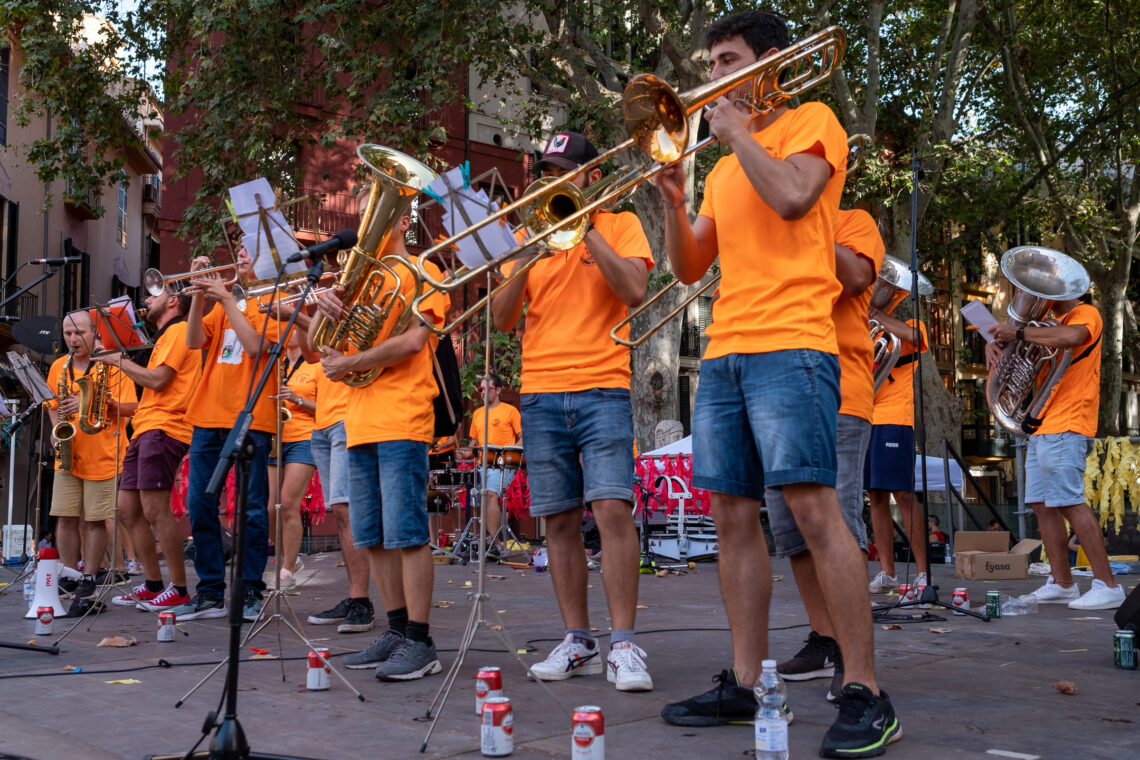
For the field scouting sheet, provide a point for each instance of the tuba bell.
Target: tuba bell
(1019, 387)
(893, 285)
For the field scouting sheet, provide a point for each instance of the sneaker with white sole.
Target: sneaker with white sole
(919, 580)
(200, 607)
(816, 659)
(167, 600)
(573, 657)
(377, 652)
(626, 667)
(1055, 593)
(1099, 597)
(135, 596)
(133, 567)
(882, 583)
(410, 660)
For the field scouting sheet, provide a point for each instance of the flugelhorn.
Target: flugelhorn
(1019, 387)
(892, 286)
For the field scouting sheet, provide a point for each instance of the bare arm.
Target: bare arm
(383, 354)
(692, 248)
(898, 328)
(1058, 336)
(507, 306)
(156, 379)
(856, 273)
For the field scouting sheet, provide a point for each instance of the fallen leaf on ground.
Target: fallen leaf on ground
(340, 564)
(72, 668)
(124, 681)
(496, 628)
(1066, 687)
(33, 643)
(777, 578)
(940, 630)
(263, 656)
(662, 573)
(593, 630)
(118, 641)
(443, 603)
(520, 651)
(500, 611)
(895, 627)
(497, 577)
(643, 606)
(467, 584)
(1071, 651)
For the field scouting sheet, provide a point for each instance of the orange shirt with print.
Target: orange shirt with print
(894, 403)
(397, 405)
(332, 401)
(856, 230)
(1075, 402)
(566, 345)
(778, 282)
(304, 383)
(505, 424)
(228, 372)
(165, 410)
(96, 456)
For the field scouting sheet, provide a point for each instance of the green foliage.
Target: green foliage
(506, 362)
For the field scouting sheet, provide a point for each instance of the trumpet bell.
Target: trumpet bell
(1041, 276)
(655, 118)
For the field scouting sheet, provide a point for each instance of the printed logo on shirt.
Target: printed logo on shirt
(891, 445)
(231, 352)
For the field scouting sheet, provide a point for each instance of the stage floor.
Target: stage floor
(981, 690)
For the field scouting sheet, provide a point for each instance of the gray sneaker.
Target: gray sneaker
(251, 610)
(376, 653)
(411, 660)
(200, 607)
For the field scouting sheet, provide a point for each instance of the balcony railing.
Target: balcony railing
(328, 214)
(691, 342)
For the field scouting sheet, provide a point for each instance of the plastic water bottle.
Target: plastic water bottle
(771, 730)
(771, 683)
(540, 560)
(29, 588)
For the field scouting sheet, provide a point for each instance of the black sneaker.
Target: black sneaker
(331, 617)
(360, 617)
(816, 660)
(865, 726)
(68, 586)
(86, 588)
(377, 652)
(111, 577)
(836, 687)
(726, 703)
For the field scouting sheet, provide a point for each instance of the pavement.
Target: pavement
(975, 690)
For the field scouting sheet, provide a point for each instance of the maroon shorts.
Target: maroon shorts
(152, 462)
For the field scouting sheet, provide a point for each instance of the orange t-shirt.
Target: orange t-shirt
(778, 281)
(397, 405)
(1075, 402)
(304, 384)
(100, 455)
(227, 373)
(566, 345)
(165, 410)
(332, 401)
(894, 403)
(505, 422)
(856, 230)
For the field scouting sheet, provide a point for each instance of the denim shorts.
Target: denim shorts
(295, 452)
(765, 419)
(387, 503)
(851, 438)
(1055, 469)
(578, 447)
(498, 481)
(331, 457)
(890, 459)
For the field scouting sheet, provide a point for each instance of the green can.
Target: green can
(1124, 649)
(993, 604)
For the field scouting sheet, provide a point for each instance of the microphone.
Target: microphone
(344, 239)
(59, 261)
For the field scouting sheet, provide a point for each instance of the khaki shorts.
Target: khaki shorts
(91, 499)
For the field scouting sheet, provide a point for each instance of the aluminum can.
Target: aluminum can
(166, 627)
(961, 600)
(588, 734)
(497, 730)
(317, 678)
(905, 592)
(918, 592)
(1124, 649)
(488, 684)
(993, 604)
(44, 618)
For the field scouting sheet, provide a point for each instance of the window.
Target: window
(123, 195)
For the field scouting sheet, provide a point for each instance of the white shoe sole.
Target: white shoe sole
(1058, 599)
(630, 684)
(430, 669)
(808, 676)
(355, 627)
(589, 669)
(204, 614)
(1097, 607)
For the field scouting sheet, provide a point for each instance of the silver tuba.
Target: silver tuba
(1040, 277)
(893, 285)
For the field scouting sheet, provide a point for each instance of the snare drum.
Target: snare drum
(511, 458)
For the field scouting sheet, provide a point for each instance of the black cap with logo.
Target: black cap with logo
(568, 150)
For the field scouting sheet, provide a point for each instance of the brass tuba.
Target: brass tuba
(1016, 389)
(893, 285)
(370, 280)
(64, 430)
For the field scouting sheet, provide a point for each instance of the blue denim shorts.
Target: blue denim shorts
(851, 438)
(498, 481)
(890, 459)
(1055, 469)
(295, 452)
(331, 457)
(578, 447)
(765, 419)
(387, 503)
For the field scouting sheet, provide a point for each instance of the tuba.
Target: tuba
(893, 286)
(64, 430)
(93, 397)
(370, 281)
(1019, 387)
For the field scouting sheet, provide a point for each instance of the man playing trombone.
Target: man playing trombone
(577, 421)
(767, 406)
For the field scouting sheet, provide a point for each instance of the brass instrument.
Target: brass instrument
(291, 295)
(1019, 387)
(893, 285)
(64, 430)
(657, 120)
(370, 279)
(93, 396)
(157, 283)
(615, 332)
(283, 413)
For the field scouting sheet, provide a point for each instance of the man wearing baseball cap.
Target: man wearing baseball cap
(577, 421)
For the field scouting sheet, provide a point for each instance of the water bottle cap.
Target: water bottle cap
(768, 664)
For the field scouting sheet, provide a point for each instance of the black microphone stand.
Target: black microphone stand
(48, 272)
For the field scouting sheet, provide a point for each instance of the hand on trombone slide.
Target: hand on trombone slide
(728, 120)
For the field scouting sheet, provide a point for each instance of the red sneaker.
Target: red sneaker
(167, 600)
(136, 596)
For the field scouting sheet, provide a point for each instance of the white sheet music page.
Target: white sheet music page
(979, 317)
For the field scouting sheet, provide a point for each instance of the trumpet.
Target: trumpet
(157, 283)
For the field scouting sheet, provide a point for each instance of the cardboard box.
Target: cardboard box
(984, 555)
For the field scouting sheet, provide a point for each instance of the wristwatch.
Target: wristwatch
(1021, 333)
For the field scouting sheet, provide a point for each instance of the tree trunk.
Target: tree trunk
(942, 411)
(1112, 292)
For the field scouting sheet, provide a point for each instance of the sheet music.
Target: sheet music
(465, 206)
(118, 326)
(249, 200)
(976, 313)
(30, 378)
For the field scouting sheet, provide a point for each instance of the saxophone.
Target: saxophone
(64, 430)
(93, 397)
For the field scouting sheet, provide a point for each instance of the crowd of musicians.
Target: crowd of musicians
(785, 413)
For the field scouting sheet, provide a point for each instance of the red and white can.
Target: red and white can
(906, 593)
(960, 600)
(166, 629)
(918, 592)
(317, 678)
(44, 618)
(488, 684)
(588, 734)
(497, 730)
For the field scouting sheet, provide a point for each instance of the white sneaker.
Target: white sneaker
(1099, 597)
(570, 658)
(626, 667)
(883, 582)
(133, 567)
(1055, 593)
(919, 580)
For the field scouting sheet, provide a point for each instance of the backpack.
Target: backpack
(449, 402)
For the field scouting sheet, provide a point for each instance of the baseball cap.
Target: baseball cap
(568, 150)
